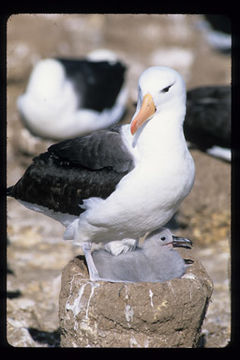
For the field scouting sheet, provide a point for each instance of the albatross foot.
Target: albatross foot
(121, 247)
(93, 273)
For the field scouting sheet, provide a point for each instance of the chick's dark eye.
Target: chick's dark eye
(163, 238)
(166, 89)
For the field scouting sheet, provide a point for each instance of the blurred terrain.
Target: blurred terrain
(36, 253)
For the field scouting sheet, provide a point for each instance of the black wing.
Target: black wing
(73, 170)
(208, 116)
(97, 83)
(98, 150)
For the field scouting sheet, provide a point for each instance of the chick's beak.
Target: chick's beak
(147, 110)
(181, 242)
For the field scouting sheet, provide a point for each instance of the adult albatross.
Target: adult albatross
(113, 186)
(72, 97)
(207, 122)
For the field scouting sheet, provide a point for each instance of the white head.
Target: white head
(160, 89)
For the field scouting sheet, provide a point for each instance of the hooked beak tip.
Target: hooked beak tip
(182, 242)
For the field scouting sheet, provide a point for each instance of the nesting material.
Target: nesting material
(143, 314)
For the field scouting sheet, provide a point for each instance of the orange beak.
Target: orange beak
(147, 110)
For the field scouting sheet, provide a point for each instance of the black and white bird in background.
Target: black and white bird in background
(115, 185)
(207, 124)
(70, 97)
(216, 29)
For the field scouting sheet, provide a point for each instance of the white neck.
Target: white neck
(162, 133)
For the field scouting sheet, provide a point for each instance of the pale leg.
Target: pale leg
(93, 273)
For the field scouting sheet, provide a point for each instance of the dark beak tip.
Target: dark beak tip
(182, 242)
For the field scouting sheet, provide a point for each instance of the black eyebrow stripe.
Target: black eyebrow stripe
(168, 87)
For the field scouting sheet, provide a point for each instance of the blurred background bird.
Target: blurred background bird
(217, 31)
(67, 97)
(207, 124)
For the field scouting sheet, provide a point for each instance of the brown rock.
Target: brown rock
(104, 314)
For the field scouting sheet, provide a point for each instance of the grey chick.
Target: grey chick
(155, 261)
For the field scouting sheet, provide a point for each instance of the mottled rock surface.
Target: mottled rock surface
(104, 314)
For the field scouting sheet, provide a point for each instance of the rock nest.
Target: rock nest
(144, 314)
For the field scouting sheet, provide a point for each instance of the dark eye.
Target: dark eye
(163, 238)
(166, 89)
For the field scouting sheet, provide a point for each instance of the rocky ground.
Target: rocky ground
(36, 253)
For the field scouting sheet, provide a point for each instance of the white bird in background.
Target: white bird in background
(114, 186)
(70, 97)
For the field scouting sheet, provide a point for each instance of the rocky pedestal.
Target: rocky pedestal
(104, 314)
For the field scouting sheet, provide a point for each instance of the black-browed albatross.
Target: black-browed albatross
(207, 122)
(68, 97)
(121, 183)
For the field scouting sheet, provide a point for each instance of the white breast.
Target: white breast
(147, 197)
(144, 200)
